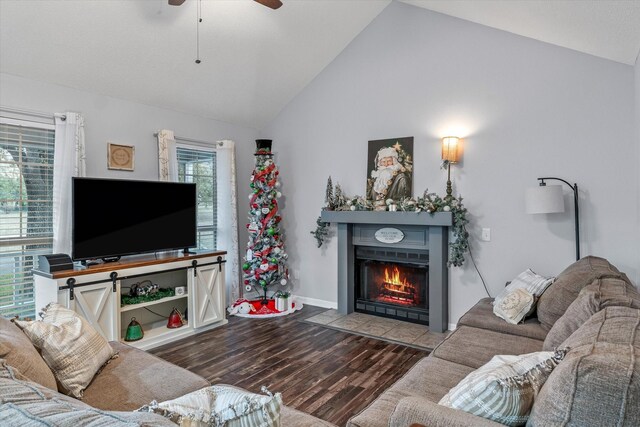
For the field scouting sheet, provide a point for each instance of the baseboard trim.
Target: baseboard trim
(452, 326)
(316, 302)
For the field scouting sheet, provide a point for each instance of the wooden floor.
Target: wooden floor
(330, 374)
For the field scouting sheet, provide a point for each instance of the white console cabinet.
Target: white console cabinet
(95, 292)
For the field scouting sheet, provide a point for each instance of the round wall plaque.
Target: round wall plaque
(389, 235)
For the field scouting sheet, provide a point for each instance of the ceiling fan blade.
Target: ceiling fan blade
(175, 2)
(273, 4)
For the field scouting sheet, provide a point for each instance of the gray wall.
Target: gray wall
(525, 108)
(130, 123)
(637, 110)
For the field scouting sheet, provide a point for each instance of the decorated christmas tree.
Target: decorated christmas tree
(265, 262)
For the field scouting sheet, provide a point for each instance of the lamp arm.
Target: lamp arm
(574, 187)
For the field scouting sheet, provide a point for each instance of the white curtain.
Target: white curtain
(69, 160)
(227, 233)
(167, 156)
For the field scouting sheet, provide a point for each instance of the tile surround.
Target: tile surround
(381, 328)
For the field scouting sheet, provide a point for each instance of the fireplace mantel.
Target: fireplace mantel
(423, 231)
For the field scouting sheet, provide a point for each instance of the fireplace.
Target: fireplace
(392, 284)
(416, 243)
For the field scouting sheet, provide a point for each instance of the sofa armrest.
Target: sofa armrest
(411, 410)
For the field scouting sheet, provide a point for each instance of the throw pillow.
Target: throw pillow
(503, 390)
(531, 282)
(514, 306)
(18, 351)
(73, 349)
(219, 406)
(602, 293)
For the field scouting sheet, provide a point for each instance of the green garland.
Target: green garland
(429, 203)
(162, 293)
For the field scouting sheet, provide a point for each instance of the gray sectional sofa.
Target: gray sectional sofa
(28, 388)
(597, 384)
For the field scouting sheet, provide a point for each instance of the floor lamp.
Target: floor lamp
(548, 199)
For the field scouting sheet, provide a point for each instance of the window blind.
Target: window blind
(26, 211)
(199, 166)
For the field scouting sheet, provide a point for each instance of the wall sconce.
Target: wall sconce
(548, 199)
(451, 153)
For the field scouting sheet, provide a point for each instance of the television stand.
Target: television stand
(111, 259)
(95, 293)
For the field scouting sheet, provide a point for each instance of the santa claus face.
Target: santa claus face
(385, 162)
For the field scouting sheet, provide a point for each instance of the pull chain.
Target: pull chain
(199, 16)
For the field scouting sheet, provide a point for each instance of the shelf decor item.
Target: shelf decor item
(120, 157)
(158, 295)
(134, 331)
(282, 300)
(175, 319)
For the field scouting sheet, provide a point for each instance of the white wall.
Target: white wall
(525, 108)
(637, 110)
(125, 122)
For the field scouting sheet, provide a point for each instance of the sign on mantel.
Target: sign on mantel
(389, 235)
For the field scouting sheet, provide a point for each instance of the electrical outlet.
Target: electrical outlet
(486, 235)
(296, 274)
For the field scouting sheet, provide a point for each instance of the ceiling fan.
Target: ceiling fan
(273, 4)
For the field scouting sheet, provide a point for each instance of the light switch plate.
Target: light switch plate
(486, 235)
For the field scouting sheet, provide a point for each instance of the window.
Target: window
(26, 215)
(199, 165)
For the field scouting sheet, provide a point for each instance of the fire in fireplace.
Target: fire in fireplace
(392, 285)
(396, 289)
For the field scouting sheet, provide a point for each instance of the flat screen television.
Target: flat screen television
(116, 217)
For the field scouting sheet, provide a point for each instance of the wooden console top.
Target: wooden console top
(129, 262)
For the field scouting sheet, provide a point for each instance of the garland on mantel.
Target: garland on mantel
(336, 200)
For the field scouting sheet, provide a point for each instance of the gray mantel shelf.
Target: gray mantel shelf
(443, 219)
(422, 232)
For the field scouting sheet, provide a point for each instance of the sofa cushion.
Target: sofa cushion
(136, 378)
(16, 349)
(72, 348)
(25, 404)
(598, 382)
(430, 378)
(418, 410)
(481, 316)
(473, 347)
(558, 297)
(602, 293)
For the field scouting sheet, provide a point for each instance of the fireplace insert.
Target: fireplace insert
(392, 283)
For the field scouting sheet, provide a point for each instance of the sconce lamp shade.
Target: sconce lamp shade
(451, 149)
(544, 199)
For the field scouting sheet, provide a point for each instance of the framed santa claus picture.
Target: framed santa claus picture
(389, 170)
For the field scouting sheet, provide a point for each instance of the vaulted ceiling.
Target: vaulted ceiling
(254, 59)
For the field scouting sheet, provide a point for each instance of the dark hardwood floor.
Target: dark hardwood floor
(330, 374)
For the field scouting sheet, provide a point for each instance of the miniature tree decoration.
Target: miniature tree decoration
(265, 261)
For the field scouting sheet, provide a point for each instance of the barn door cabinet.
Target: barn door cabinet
(95, 292)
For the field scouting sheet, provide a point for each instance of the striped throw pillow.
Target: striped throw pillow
(221, 405)
(531, 282)
(503, 390)
(71, 347)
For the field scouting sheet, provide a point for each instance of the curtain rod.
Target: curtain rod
(32, 113)
(192, 141)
